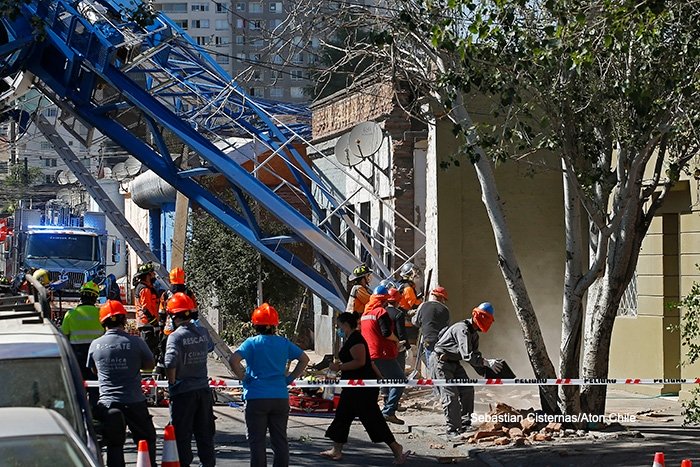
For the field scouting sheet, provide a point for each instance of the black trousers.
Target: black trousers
(150, 335)
(360, 403)
(115, 419)
(193, 413)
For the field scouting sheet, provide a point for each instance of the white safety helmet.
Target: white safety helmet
(408, 271)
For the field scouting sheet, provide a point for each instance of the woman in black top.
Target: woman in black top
(358, 402)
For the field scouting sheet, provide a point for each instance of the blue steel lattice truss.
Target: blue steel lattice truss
(134, 85)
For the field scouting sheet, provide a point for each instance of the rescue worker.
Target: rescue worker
(42, 275)
(177, 284)
(378, 330)
(265, 381)
(456, 343)
(191, 399)
(82, 326)
(117, 358)
(431, 318)
(360, 291)
(407, 287)
(398, 317)
(146, 302)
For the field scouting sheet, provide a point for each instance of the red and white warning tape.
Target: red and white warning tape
(345, 383)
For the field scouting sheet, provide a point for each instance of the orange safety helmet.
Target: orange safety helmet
(180, 302)
(439, 291)
(177, 276)
(111, 309)
(265, 315)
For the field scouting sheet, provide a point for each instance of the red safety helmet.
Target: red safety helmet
(265, 315)
(180, 302)
(111, 309)
(394, 295)
(439, 291)
(177, 276)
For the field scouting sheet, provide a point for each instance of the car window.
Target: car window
(37, 451)
(37, 382)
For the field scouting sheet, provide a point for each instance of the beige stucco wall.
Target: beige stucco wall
(467, 259)
(643, 346)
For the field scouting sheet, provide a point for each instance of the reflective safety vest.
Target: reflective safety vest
(82, 324)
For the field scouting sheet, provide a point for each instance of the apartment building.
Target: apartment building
(250, 41)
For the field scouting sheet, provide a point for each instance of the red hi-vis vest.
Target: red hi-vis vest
(380, 348)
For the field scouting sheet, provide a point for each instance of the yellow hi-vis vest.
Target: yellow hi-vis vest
(82, 324)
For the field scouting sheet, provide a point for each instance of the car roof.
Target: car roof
(39, 333)
(30, 421)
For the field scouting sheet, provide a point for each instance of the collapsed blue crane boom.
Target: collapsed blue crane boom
(136, 85)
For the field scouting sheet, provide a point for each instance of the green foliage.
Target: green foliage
(19, 176)
(220, 264)
(690, 342)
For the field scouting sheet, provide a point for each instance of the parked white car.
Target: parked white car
(34, 436)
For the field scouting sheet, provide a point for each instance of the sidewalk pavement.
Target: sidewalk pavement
(659, 430)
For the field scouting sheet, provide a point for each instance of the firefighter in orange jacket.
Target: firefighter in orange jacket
(146, 302)
(360, 292)
(177, 284)
(407, 287)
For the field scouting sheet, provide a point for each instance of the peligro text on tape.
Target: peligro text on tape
(426, 382)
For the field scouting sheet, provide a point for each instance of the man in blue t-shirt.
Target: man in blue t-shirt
(191, 401)
(117, 359)
(265, 385)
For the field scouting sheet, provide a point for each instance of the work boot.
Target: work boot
(393, 419)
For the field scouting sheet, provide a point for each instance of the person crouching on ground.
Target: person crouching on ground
(456, 343)
(265, 385)
(355, 363)
(191, 400)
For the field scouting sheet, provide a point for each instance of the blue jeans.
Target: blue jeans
(390, 369)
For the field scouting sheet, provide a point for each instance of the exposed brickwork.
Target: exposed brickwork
(331, 117)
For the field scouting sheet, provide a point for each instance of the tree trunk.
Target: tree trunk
(534, 342)
(600, 318)
(572, 313)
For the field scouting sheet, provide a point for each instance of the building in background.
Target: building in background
(249, 40)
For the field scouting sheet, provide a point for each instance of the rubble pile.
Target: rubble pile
(517, 428)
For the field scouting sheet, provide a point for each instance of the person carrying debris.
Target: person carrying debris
(432, 317)
(355, 363)
(191, 399)
(117, 359)
(378, 330)
(81, 325)
(265, 385)
(360, 291)
(146, 303)
(407, 287)
(456, 343)
(177, 284)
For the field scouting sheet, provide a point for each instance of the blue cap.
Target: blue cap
(487, 307)
(381, 290)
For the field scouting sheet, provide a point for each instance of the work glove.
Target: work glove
(494, 364)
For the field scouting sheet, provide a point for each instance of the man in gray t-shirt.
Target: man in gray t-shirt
(191, 402)
(457, 343)
(117, 358)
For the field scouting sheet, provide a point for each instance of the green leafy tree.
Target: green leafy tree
(22, 177)
(609, 89)
(223, 271)
(690, 341)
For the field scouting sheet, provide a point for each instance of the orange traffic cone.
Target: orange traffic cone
(170, 457)
(659, 460)
(686, 463)
(143, 459)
